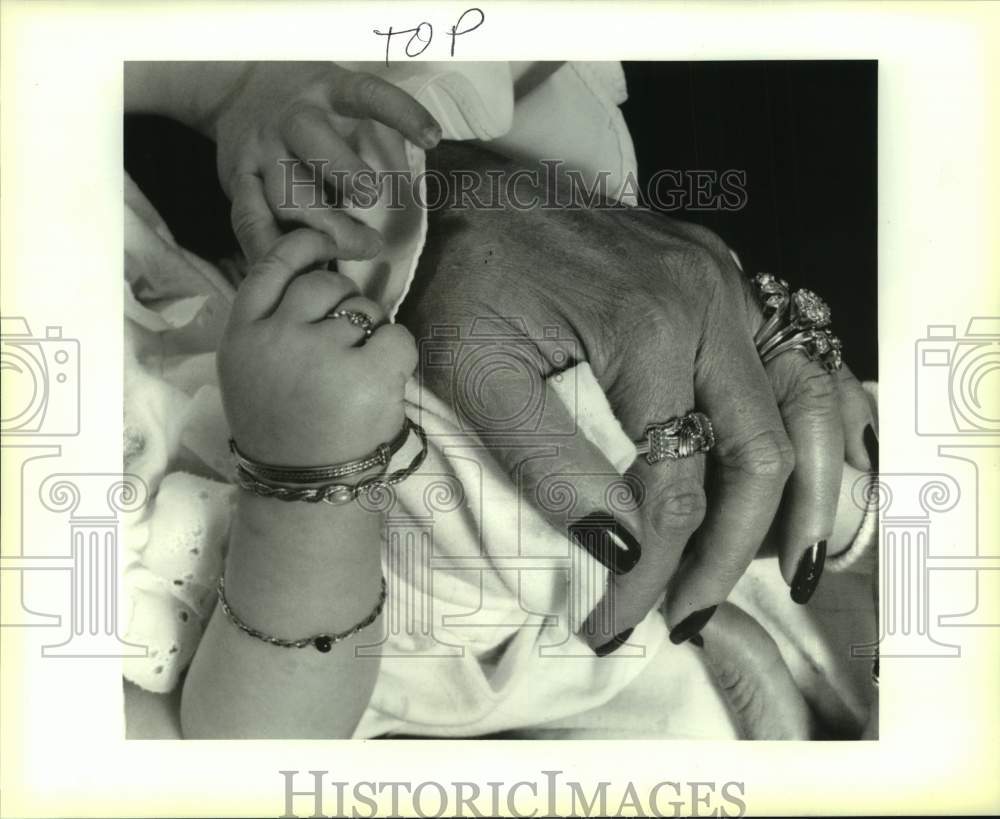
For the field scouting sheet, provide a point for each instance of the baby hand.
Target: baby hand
(305, 111)
(299, 388)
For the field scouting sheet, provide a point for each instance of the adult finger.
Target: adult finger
(305, 205)
(311, 296)
(294, 252)
(652, 384)
(253, 222)
(753, 678)
(860, 423)
(366, 96)
(809, 400)
(495, 382)
(750, 464)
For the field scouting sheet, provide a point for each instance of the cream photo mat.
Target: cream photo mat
(61, 189)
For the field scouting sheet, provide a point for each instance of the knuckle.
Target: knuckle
(249, 230)
(245, 223)
(309, 286)
(767, 454)
(706, 238)
(367, 88)
(741, 693)
(297, 122)
(696, 274)
(678, 506)
(816, 390)
(701, 261)
(647, 320)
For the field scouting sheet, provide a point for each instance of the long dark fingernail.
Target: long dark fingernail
(691, 625)
(608, 540)
(808, 573)
(614, 643)
(871, 447)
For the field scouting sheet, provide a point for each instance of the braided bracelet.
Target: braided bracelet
(321, 642)
(318, 474)
(261, 478)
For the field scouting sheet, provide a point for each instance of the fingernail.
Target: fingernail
(871, 446)
(608, 540)
(431, 136)
(808, 573)
(691, 625)
(614, 643)
(697, 640)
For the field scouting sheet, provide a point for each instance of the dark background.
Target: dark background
(804, 133)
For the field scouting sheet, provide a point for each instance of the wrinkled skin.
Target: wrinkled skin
(665, 318)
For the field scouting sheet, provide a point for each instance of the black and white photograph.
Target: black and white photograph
(492, 401)
(499, 410)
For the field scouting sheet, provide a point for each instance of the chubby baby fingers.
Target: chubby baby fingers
(352, 321)
(305, 205)
(312, 296)
(393, 347)
(263, 288)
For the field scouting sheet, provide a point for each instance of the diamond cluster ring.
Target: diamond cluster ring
(795, 321)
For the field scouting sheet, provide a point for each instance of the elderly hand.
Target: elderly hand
(283, 116)
(664, 317)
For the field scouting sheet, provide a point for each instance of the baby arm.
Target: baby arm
(187, 91)
(299, 389)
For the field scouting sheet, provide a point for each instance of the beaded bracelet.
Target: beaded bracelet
(293, 483)
(321, 642)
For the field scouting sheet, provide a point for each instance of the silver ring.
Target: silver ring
(795, 321)
(676, 438)
(357, 318)
(818, 344)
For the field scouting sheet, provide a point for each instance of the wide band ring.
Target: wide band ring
(679, 437)
(795, 321)
(357, 318)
